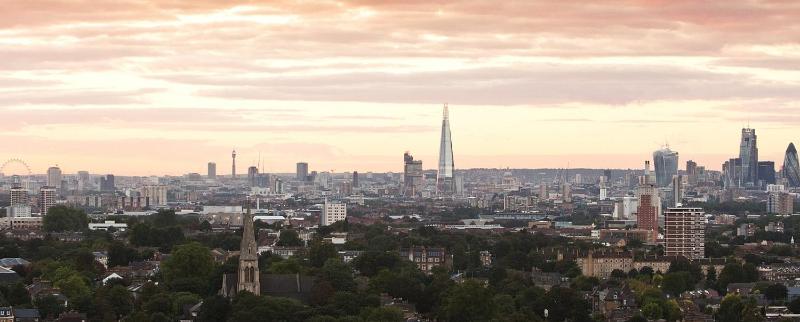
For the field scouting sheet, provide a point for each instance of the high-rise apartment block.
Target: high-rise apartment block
(19, 196)
(54, 177)
(780, 203)
(684, 232)
(333, 212)
(649, 205)
(155, 195)
(47, 199)
(212, 170)
(413, 176)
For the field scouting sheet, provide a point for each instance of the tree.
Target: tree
(652, 311)
(775, 292)
(467, 302)
(794, 306)
(320, 252)
(63, 218)
(289, 238)
(49, 306)
(215, 308)
(730, 309)
(676, 283)
(18, 295)
(382, 314)
(339, 274)
(121, 255)
(618, 273)
(189, 262)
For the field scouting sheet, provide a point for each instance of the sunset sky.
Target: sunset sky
(163, 87)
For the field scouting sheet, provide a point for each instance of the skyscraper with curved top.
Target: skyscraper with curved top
(666, 164)
(791, 168)
(445, 181)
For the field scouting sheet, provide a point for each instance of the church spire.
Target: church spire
(249, 279)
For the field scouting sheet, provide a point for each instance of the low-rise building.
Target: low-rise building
(426, 258)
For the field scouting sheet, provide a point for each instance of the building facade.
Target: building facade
(748, 154)
(791, 167)
(684, 232)
(445, 181)
(413, 176)
(333, 212)
(666, 166)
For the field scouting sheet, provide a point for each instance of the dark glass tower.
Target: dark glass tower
(791, 168)
(666, 164)
(748, 154)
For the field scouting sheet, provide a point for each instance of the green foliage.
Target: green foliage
(49, 306)
(776, 292)
(467, 302)
(189, 264)
(652, 311)
(320, 252)
(63, 218)
(289, 238)
(215, 308)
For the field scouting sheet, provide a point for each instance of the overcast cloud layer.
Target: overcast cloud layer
(350, 85)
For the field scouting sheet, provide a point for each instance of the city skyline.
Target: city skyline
(118, 88)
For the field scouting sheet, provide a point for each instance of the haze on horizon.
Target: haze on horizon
(163, 87)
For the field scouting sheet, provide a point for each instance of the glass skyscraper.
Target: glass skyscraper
(445, 183)
(791, 168)
(666, 164)
(748, 154)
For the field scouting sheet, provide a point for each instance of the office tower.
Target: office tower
(47, 199)
(233, 164)
(677, 191)
(19, 196)
(766, 173)
(780, 203)
(154, 195)
(666, 165)
(649, 205)
(791, 167)
(107, 183)
(212, 170)
(277, 186)
(252, 172)
(302, 171)
(691, 172)
(543, 192)
(607, 174)
(684, 232)
(748, 154)
(578, 178)
(83, 180)
(731, 172)
(355, 179)
(444, 181)
(566, 192)
(249, 277)
(647, 177)
(333, 212)
(413, 180)
(54, 177)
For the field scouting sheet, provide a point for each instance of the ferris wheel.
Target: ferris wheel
(16, 161)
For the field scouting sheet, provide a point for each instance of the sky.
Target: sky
(163, 87)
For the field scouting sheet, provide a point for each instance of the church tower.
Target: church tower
(248, 258)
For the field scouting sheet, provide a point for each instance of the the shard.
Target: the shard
(445, 182)
(791, 168)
